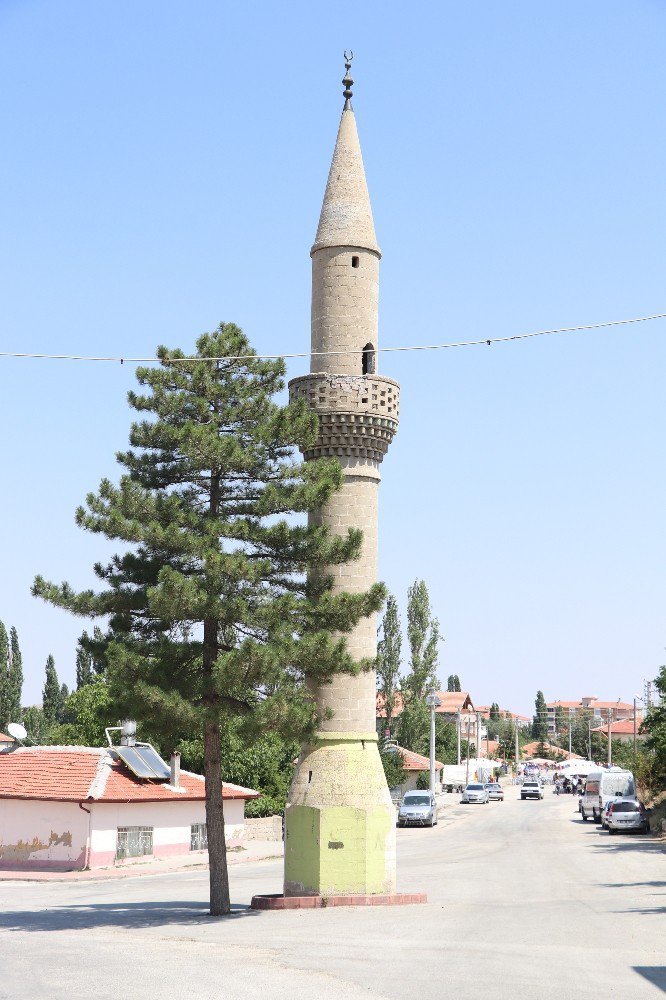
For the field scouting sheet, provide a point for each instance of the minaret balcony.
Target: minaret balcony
(358, 414)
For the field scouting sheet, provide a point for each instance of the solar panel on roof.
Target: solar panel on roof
(152, 759)
(144, 762)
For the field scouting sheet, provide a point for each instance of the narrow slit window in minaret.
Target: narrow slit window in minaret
(368, 360)
(355, 261)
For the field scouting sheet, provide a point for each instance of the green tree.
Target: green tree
(413, 731)
(14, 677)
(220, 603)
(453, 683)
(84, 668)
(446, 740)
(87, 712)
(51, 694)
(423, 635)
(393, 763)
(654, 724)
(540, 721)
(388, 659)
(35, 724)
(4, 678)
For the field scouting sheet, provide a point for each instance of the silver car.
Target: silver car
(626, 814)
(495, 792)
(418, 809)
(475, 793)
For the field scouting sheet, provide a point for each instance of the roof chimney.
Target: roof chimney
(175, 770)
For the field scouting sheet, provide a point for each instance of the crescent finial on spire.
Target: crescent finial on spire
(347, 81)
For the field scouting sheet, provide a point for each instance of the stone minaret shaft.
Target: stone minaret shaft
(340, 820)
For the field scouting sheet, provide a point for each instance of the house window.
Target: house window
(368, 360)
(198, 837)
(134, 842)
(355, 261)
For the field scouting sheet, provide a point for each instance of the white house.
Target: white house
(71, 808)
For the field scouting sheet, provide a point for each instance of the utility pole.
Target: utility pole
(478, 735)
(589, 738)
(517, 749)
(635, 700)
(610, 744)
(569, 738)
(432, 701)
(458, 735)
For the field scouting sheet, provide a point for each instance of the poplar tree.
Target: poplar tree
(540, 721)
(453, 683)
(84, 670)
(220, 602)
(14, 678)
(388, 659)
(4, 677)
(423, 635)
(51, 694)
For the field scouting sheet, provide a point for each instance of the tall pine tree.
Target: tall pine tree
(220, 603)
(388, 659)
(423, 635)
(14, 678)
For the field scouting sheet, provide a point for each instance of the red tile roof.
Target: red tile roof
(416, 761)
(6, 739)
(79, 774)
(531, 749)
(623, 727)
(451, 701)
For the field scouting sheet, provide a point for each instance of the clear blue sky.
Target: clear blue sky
(162, 169)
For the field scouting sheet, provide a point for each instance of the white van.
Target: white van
(601, 787)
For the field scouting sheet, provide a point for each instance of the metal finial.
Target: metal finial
(348, 82)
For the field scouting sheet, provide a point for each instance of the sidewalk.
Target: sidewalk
(237, 853)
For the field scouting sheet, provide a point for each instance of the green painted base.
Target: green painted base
(340, 821)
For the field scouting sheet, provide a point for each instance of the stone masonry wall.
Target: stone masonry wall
(352, 699)
(344, 308)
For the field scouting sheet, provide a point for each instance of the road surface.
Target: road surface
(525, 901)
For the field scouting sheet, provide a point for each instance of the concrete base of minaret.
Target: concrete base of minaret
(340, 821)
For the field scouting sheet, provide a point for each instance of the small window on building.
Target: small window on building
(198, 837)
(134, 842)
(356, 261)
(368, 360)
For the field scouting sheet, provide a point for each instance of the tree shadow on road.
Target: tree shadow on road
(126, 915)
(655, 974)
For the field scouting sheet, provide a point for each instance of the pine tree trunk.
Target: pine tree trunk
(217, 849)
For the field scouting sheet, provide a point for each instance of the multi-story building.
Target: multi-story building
(598, 711)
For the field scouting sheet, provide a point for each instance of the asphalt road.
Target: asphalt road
(525, 901)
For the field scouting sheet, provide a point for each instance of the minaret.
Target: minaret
(340, 822)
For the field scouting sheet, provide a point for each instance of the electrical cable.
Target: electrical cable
(307, 354)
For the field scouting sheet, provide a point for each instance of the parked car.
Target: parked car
(495, 792)
(531, 788)
(603, 787)
(627, 814)
(418, 809)
(475, 793)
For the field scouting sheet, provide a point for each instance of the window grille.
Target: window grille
(198, 837)
(134, 842)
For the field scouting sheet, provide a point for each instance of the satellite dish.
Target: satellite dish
(16, 730)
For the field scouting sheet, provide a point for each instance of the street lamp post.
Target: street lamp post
(433, 702)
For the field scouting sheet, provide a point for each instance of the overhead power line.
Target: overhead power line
(486, 341)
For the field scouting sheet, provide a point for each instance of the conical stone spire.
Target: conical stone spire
(346, 215)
